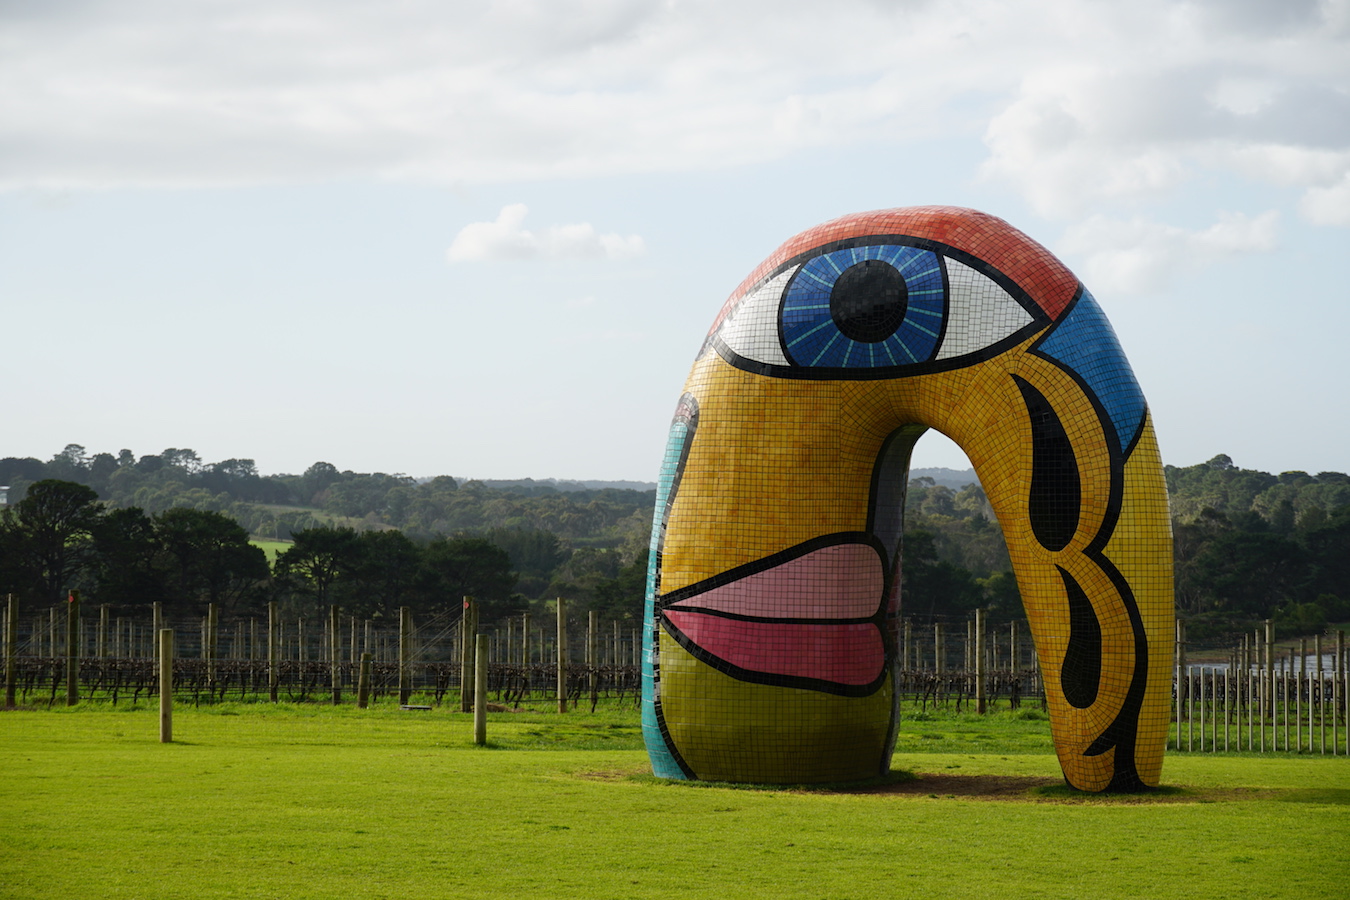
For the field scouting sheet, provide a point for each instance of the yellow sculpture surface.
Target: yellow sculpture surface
(776, 564)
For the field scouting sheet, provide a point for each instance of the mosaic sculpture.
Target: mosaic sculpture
(773, 588)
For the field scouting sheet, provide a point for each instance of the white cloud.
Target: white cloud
(1085, 108)
(1328, 205)
(506, 238)
(1139, 256)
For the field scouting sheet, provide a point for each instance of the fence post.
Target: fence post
(525, 643)
(210, 651)
(1339, 691)
(480, 669)
(354, 651)
(335, 653)
(11, 649)
(562, 655)
(73, 649)
(1179, 660)
(1321, 697)
(404, 646)
(1298, 694)
(592, 624)
(273, 676)
(156, 623)
(165, 685)
(363, 684)
(468, 666)
(979, 661)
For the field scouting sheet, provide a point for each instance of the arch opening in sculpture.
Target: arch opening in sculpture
(776, 560)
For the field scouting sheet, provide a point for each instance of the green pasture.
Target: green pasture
(270, 547)
(299, 801)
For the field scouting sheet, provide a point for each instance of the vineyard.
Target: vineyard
(1259, 699)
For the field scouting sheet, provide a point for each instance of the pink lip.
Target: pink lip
(842, 581)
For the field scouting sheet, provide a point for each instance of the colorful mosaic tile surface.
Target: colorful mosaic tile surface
(773, 589)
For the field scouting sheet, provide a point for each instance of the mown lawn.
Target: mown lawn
(310, 801)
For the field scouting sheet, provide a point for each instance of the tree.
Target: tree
(932, 587)
(385, 574)
(125, 551)
(50, 533)
(208, 559)
(455, 567)
(318, 561)
(317, 478)
(623, 597)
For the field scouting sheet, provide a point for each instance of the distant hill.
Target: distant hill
(952, 478)
(560, 484)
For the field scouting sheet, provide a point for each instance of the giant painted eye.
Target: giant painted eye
(864, 310)
(865, 307)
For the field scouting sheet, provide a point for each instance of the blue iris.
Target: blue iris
(892, 297)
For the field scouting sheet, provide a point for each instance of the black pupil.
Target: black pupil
(868, 301)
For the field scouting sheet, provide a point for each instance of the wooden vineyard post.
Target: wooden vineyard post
(273, 676)
(1321, 698)
(1202, 709)
(562, 655)
(404, 651)
(480, 670)
(11, 649)
(354, 651)
(73, 649)
(592, 663)
(525, 641)
(979, 662)
(212, 649)
(101, 640)
(1179, 660)
(156, 623)
(468, 629)
(363, 683)
(335, 653)
(1288, 673)
(1226, 687)
(907, 660)
(1298, 694)
(165, 685)
(1339, 691)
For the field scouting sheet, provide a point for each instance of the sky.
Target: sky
(487, 239)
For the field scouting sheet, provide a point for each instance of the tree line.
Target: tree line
(277, 506)
(59, 537)
(1249, 545)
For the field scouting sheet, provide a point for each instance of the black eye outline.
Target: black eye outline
(971, 276)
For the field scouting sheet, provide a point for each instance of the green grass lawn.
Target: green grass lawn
(310, 801)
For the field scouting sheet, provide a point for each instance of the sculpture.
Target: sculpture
(775, 565)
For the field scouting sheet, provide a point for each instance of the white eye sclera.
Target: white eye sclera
(867, 310)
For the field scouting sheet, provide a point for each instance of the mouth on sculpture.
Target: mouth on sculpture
(810, 617)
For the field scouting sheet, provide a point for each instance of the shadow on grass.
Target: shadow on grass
(1014, 788)
(865, 786)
